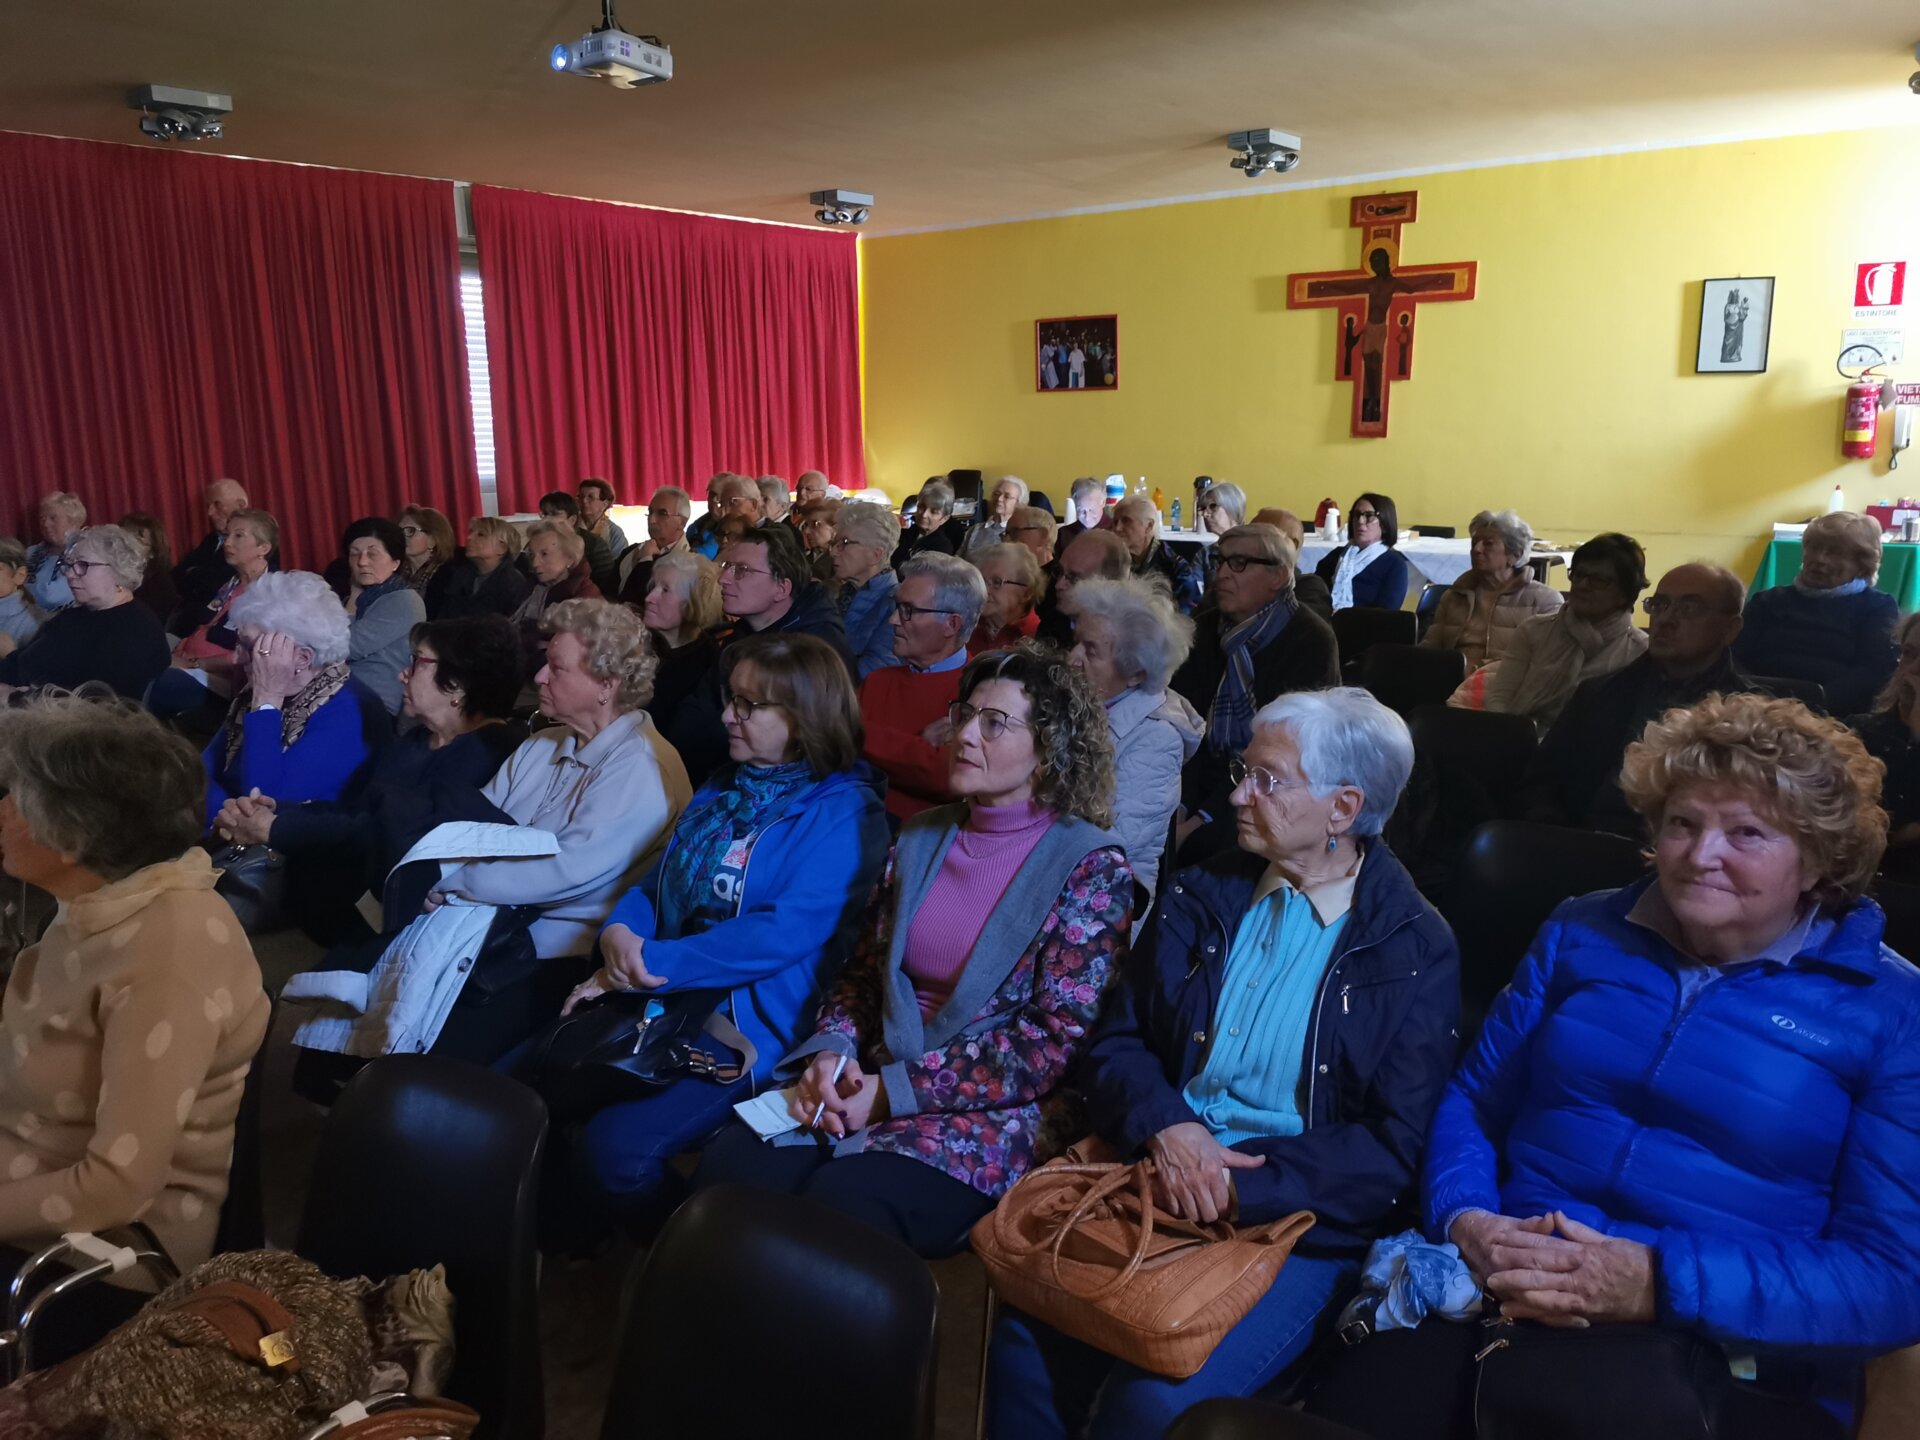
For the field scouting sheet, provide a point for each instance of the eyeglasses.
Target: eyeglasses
(1238, 563)
(1687, 607)
(734, 567)
(420, 662)
(914, 612)
(843, 542)
(1365, 515)
(993, 723)
(743, 707)
(1004, 584)
(1265, 782)
(66, 565)
(409, 530)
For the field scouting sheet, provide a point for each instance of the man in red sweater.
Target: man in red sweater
(904, 707)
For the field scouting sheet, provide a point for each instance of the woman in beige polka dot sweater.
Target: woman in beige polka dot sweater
(127, 1032)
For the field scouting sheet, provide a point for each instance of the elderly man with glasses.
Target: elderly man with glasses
(905, 708)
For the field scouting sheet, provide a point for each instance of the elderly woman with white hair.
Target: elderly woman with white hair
(1015, 584)
(104, 637)
(62, 515)
(1479, 612)
(1277, 1041)
(930, 529)
(294, 730)
(1129, 638)
(863, 544)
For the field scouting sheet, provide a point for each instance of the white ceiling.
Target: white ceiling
(956, 114)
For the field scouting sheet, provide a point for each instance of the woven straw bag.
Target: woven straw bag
(1082, 1248)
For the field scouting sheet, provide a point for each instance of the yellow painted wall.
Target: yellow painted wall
(1566, 389)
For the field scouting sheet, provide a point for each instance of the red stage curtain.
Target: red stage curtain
(655, 348)
(169, 318)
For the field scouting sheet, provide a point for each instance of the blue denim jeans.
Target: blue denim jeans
(623, 1156)
(1041, 1385)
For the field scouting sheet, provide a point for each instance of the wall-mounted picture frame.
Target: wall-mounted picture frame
(1736, 321)
(1076, 352)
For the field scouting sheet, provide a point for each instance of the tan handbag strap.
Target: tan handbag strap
(1141, 1174)
(254, 1325)
(1047, 1177)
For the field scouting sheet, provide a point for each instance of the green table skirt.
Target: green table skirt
(1899, 570)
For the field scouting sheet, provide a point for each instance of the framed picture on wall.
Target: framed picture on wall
(1076, 352)
(1735, 318)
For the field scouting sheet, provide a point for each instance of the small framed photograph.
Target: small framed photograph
(1076, 352)
(1735, 318)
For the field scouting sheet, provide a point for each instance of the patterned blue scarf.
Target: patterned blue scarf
(1230, 721)
(706, 865)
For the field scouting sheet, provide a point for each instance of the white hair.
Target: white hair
(1346, 737)
(301, 606)
(1515, 534)
(1017, 483)
(121, 551)
(957, 586)
(1151, 637)
(681, 501)
(1231, 498)
(937, 495)
(69, 504)
(1087, 485)
(865, 523)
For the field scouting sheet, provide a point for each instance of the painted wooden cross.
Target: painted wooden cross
(1376, 303)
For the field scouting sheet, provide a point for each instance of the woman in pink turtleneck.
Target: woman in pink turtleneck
(991, 936)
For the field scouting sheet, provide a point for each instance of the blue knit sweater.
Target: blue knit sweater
(1843, 642)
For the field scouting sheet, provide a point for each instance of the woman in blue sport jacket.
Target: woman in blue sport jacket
(760, 892)
(1696, 1108)
(1276, 1043)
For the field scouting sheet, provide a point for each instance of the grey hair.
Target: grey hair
(1231, 497)
(1087, 485)
(12, 552)
(865, 523)
(1151, 637)
(301, 606)
(1022, 559)
(1138, 505)
(957, 586)
(572, 545)
(697, 580)
(1514, 532)
(1346, 737)
(1272, 540)
(773, 496)
(1017, 483)
(616, 642)
(123, 552)
(937, 495)
(683, 502)
(66, 500)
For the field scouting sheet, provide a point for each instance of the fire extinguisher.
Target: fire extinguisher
(1860, 431)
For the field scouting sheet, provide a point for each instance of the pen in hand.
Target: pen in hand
(821, 1109)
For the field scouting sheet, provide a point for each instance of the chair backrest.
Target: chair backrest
(1475, 751)
(747, 1304)
(1405, 677)
(1902, 904)
(1810, 693)
(1433, 532)
(1513, 875)
(243, 1221)
(425, 1161)
(1426, 607)
(1254, 1419)
(1360, 627)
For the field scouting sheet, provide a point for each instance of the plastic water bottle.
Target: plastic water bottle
(1332, 528)
(1176, 512)
(1837, 501)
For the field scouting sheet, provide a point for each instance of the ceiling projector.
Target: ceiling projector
(609, 53)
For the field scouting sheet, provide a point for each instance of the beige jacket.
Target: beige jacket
(1550, 655)
(125, 1039)
(1479, 624)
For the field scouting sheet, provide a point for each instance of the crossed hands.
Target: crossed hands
(1553, 1269)
(246, 819)
(622, 967)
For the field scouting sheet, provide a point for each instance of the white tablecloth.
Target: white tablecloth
(1439, 562)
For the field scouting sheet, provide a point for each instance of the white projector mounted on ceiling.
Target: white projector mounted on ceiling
(609, 53)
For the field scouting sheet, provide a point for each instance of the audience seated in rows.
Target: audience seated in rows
(1829, 626)
(459, 689)
(1137, 524)
(759, 894)
(556, 557)
(1252, 646)
(1589, 637)
(430, 553)
(133, 1021)
(62, 516)
(1891, 733)
(1129, 640)
(931, 528)
(1015, 585)
(384, 605)
(487, 580)
(905, 708)
(20, 618)
(865, 537)
(667, 515)
(105, 637)
(561, 508)
(1368, 570)
(1479, 613)
(1090, 555)
(294, 728)
(1690, 1114)
(156, 590)
(941, 1052)
(989, 527)
(595, 498)
(1298, 1073)
(1574, 779)
(1308, 588)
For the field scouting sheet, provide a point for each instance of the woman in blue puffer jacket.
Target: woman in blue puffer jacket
(1696, 1108)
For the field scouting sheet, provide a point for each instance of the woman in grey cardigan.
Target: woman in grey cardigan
(384, 607)
(937, 1060)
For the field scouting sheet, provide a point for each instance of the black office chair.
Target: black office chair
(426, 1161)
(1810, 693)
(1902, 904)
(1426, 607)
(1513, 875)
(750, 1302)
(1254, 1420)
(1433, 532)
(1405, 677)
(1360, 627)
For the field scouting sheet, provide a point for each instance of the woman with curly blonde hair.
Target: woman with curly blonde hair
(1689, 1119)
(938, 1057)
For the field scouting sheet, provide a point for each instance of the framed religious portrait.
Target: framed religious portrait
(1735, 318)
(1076, 352)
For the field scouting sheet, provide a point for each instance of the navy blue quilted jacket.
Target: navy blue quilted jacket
(1764, 1138)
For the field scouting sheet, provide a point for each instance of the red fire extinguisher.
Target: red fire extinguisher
(1860, 430)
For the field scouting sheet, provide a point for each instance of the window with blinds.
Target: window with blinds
(478, 382)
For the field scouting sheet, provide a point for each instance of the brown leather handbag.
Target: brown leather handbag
(1082, 1248)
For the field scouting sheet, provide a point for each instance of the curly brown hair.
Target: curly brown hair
(1071, 737)
(1811, 775)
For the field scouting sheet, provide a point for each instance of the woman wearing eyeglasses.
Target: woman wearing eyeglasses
(1277, 1042)
(102, 637)
(1367, 571)
(430, 549)
(937, 1060)
(760, 893)
(1014, 586)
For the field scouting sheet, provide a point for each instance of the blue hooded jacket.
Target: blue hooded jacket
(803, 898)
(1382, 1041)
(1763, 1137)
